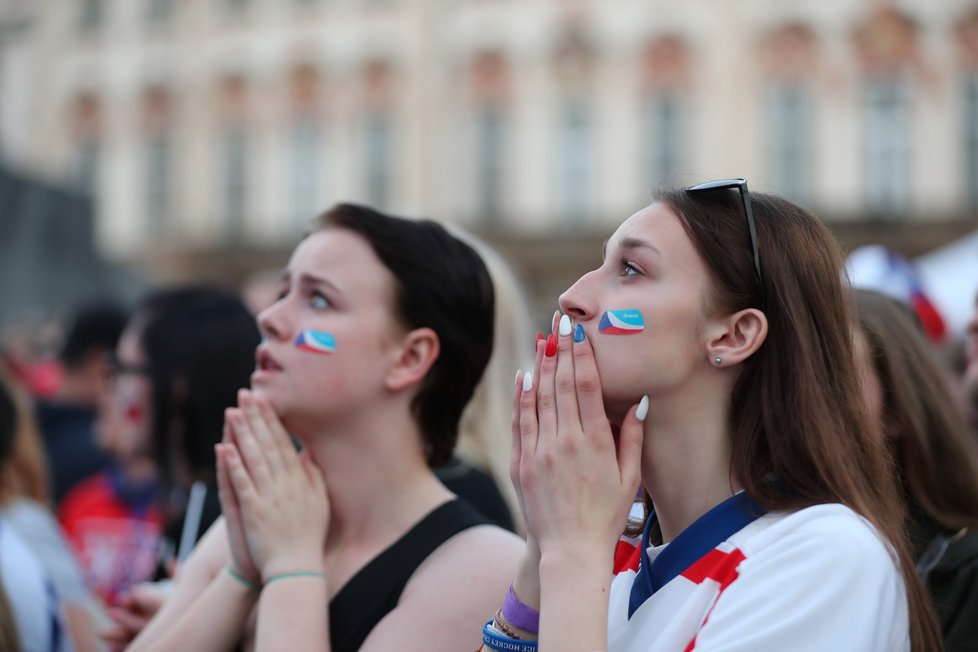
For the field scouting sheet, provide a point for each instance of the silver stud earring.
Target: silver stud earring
(717, 360)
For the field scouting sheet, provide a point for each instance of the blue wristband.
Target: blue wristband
(499, 643)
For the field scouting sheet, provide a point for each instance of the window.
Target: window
(886, 146)
(490, 147)
(789, 126)
(574, 160)
(665, 139)
(159, 11)
(91, 14)
(235, 169)
(306, 174)
(971, 137)
(86, 166)
(157, 183)
(377, 157)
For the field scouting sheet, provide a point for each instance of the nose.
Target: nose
(273, 321)
(578, 300)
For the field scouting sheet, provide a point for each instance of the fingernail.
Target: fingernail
(539, 337)
(643, 408)
(578, 333)
(565, 326)
(519, 372)
(553, 321)
(527, 381)
(551, 349)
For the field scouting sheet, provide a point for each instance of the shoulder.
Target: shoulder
(476, 553)
(454, 591)
(822, 532)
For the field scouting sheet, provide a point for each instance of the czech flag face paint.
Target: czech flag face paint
(316, 342)
(621, 322)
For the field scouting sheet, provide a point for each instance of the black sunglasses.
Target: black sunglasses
(117, 367)
(741, 186)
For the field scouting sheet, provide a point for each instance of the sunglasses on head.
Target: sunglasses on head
(740, 185)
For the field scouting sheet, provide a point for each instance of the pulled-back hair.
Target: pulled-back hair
(924, 426)
(440, 283)
(800, 432)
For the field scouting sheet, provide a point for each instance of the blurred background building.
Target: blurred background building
(203, 134)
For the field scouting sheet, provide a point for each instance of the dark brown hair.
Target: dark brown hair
(924, 426)
(440, 283)
(800, 432)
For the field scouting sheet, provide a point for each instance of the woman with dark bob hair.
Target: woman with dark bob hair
(909, 397)
(381, 332)
(708, 360)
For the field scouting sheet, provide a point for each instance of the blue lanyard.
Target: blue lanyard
(717, 525)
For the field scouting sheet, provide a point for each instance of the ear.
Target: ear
(418, 351)
(736, 337)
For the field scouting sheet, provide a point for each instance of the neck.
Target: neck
(376, 477)
(686, 458)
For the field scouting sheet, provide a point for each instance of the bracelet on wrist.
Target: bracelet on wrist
(283, 576)
(520, 615)
(496, 641)
(242, 580)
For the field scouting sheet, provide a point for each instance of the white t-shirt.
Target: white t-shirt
(818, 579)
(31, 596)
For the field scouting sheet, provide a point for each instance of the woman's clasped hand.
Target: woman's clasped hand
(273, 497)
(565, 446)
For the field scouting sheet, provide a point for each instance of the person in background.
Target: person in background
(33, 608)
(24, 506)
(479, 469)
(970, 380)
(908, 397)
(179, 364)
(67, 419)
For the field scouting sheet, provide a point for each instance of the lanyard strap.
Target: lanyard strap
(717, 525)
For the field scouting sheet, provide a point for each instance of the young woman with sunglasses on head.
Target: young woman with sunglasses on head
(709, 361)
(382, 330)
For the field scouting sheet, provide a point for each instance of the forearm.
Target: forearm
(574, 589)
(294, 615)
(213, 621)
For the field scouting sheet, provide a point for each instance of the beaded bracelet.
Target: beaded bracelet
(496, 642)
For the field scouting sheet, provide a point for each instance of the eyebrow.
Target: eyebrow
(628, 244)
(311, 279)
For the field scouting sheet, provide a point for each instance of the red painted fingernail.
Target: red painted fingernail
(539, 337)
(551, 349)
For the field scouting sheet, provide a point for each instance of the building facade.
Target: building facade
(209, 127)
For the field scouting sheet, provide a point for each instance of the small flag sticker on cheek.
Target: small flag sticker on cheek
(316, 342)
(621, 322)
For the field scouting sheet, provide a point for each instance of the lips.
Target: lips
(265, 362)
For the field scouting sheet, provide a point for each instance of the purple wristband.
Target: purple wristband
(520, 615)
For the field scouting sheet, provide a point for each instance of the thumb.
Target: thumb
(630, 439)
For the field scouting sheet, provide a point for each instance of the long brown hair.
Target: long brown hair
(924, 426)
(796, 415)
(24, 469)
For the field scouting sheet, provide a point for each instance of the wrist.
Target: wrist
(291, 565)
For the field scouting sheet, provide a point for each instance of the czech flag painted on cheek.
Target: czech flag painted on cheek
(621, 322)
(316, 342)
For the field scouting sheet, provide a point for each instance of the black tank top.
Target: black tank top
(374, 591)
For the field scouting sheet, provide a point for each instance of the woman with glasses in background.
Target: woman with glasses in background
(709, 361)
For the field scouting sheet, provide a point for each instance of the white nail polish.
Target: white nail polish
(553, 321)
(519, 374)
(527, 381)
(565, 326)
(643, 408)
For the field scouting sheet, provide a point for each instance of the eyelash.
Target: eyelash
(626, 267)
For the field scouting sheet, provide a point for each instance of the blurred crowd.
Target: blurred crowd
(109, 421)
